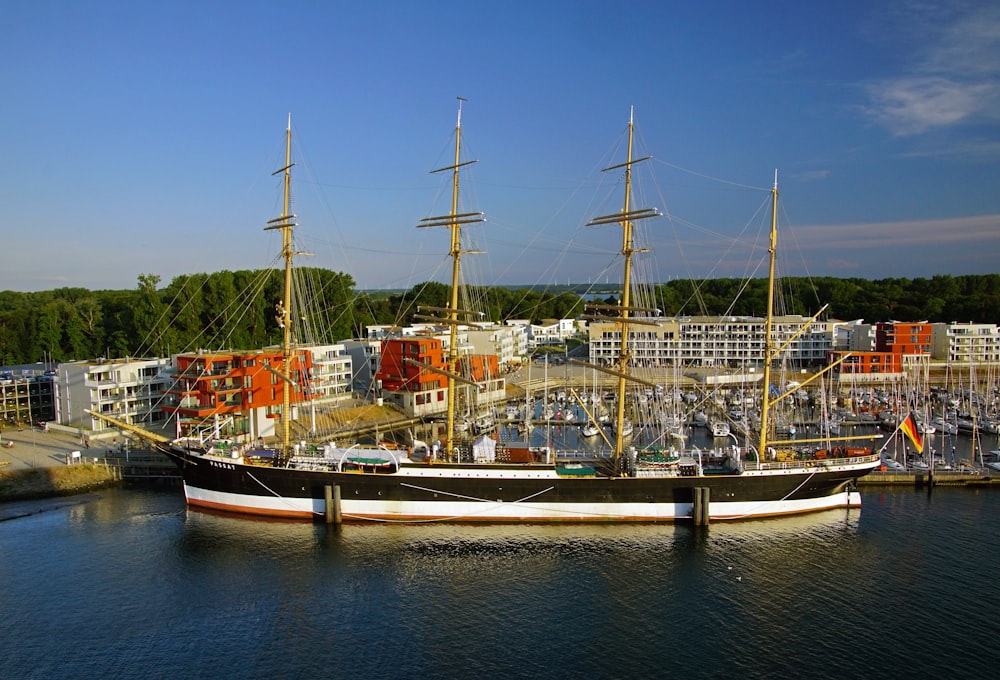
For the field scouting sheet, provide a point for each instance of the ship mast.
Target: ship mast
(625, 354)
(626, 219)
(454, 221)
(768, 322)
(285, 223)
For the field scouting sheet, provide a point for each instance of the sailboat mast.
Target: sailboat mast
(768, 322)
(456, 257)
(626, 218)
(623, 356)
(286, 321)
(284, 223)
(454, 221)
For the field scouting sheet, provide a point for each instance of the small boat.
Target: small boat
(942, 425)
(893, 465)
(626, 428)
(483, 423)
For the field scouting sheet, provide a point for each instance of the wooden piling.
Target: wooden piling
(331, 504)
(338, 517)
(697, 511)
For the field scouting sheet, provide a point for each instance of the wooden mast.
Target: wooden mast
(454, 221)
(768, 320)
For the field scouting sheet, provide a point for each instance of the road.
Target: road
(34, 447)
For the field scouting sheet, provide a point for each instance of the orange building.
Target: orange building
(417, 391)
(238, 391)
(868, 362)
(420, 392)
(479, 367)
(903, 337)
(397, 375)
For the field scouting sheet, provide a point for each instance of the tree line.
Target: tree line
(236, 310)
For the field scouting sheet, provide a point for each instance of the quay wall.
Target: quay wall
(49, 482)
(923, 479)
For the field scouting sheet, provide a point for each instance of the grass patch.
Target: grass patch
(17, 485)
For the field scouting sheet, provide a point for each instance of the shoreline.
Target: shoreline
(10, 510)
(52, 483)
(35, 470)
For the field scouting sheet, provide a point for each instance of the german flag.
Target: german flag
(909, 427)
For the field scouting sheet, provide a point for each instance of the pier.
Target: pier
(925, 479)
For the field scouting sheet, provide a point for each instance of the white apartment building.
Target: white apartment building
(365, 357)
(712, 341)
(508, 343)
(129, 389)
(330, 380)
(553, 331)
(966, 343)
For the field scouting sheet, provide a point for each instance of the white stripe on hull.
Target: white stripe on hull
(490, 511)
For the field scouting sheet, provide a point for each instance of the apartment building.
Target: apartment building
(133, 390)
(237, 393)
(712, 341)
(966, 343)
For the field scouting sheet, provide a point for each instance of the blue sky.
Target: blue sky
(140, 137)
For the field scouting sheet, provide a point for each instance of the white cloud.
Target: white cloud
(914, 105)
(953, 76)
(948, 231)
(810, 175)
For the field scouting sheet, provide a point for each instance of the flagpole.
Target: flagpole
(909, 416)
(890, 437)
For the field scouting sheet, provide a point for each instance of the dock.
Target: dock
(143, 466)
(925, 479)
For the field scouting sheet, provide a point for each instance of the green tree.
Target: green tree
(150, 316)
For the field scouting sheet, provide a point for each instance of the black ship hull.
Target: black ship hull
(512, 493)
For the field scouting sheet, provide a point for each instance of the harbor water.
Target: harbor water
(130, 584)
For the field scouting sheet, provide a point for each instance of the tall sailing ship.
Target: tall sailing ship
(629, 485)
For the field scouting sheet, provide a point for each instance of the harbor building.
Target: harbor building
(236, 393)
(26, 399)
(967, 343)
(133, 390)
(331, 376)
(720, 342)
(885, 351)
(420, 392)
(553, 332)
(508, 343)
